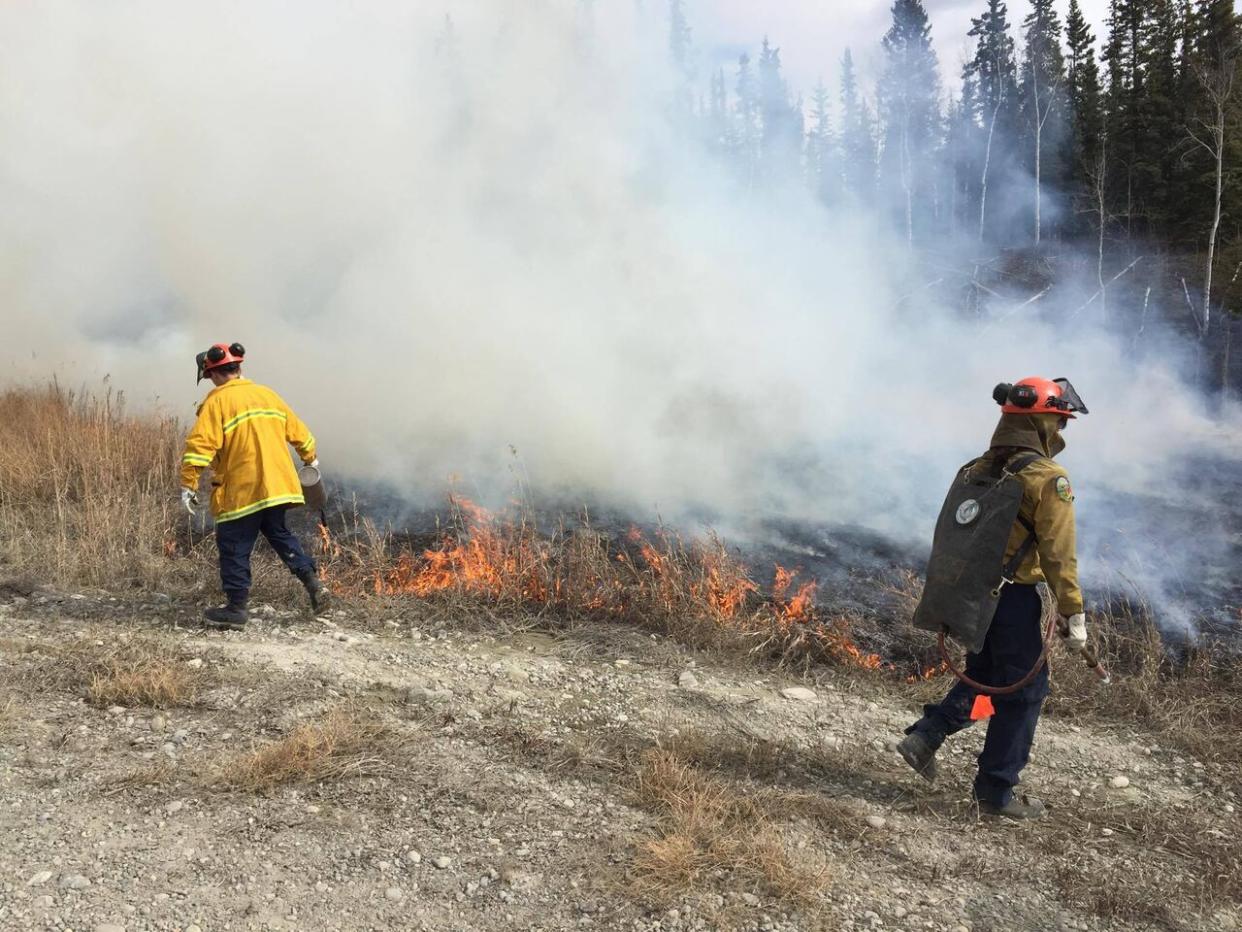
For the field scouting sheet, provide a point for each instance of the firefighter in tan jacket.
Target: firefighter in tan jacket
(243, 432)
(1034, 412)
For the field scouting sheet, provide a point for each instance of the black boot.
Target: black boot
(1018, 807)
(231, 617)
(920, 755)
(320, 597)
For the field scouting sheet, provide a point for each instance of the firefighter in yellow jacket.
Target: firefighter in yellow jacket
(243, 432)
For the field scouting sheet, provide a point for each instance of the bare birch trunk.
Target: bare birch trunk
(1101, 209)
(987, 160)
(1219, 140)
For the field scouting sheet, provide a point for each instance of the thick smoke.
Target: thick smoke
(443, 243)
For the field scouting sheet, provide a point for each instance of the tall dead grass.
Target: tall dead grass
(699, 591)
(1191, 698)
(88, 490)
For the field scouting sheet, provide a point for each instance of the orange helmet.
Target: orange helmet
(1039, 396)
(220, 354)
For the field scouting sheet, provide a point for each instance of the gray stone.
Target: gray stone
(393, 893)
(687, 680)
(442, 862)
(39, 879)
(798, 693)
(876, 821)
(74, 882)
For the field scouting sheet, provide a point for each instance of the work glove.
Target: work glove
(1076, 632)
(314, 464)
(189, 499)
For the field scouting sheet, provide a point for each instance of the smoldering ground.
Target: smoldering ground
(446, 241)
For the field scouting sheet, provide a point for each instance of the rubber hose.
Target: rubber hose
(1002, 690)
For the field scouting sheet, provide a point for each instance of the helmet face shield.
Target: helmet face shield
(1071, 399)
(201, 360)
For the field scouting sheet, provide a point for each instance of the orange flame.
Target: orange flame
(801, 607)
(327, 546)
(504, 560)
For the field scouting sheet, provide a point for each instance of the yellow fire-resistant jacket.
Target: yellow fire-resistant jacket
(1047, 504)
(242, 432)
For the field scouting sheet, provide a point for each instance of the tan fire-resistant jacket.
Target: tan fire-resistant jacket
(1047, 503)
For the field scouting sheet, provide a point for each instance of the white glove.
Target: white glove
(189, 499)
(314, 464)
(1076, 637)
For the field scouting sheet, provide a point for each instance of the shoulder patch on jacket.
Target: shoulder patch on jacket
(1064, 491)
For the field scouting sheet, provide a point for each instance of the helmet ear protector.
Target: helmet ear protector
(1020, 396)
(1027, 398)
(217, 355)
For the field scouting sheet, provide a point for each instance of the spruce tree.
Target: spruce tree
(1124, 106)
(1042, 95)
(858, 144)
(1083, 81)
(1213, 129)
(823, 171)
(908, 98)
(1161, 120)
(780, 124)
(995, 100)
(747, 124)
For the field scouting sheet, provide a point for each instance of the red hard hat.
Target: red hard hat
(1039, 396)
(220, 354)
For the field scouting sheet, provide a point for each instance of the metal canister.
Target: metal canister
(312, 487)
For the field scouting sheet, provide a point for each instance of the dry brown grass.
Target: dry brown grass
(340, 744)
(1188, 700)
(8, 714)
(88, 491)
(698, 592)
(135, 671)
(1188, 862)
(710, 835)
(160, 684)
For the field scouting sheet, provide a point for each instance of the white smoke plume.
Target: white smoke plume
(442, 242)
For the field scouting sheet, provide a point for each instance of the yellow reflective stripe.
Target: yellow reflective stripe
(295, 499)
(196, 459)
(308, 444)
(254, 412)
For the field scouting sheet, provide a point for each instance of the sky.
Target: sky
(812, 34)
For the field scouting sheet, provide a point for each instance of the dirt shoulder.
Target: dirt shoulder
(426, 772)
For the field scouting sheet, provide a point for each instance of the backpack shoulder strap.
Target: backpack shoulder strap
(1014, 465)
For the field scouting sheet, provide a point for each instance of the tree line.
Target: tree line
(1128, 142)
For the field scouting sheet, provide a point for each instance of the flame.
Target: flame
(841, 646)
(505, 560)
(801, 607)
(327, 546)
(929, 673)
(725, 592)
(479, 560)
